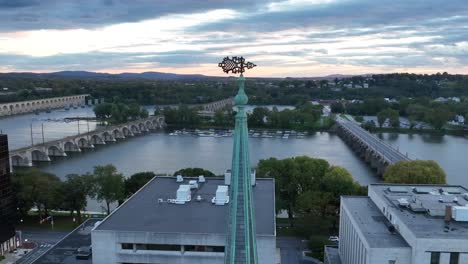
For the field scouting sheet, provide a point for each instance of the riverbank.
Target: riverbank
(442, 132)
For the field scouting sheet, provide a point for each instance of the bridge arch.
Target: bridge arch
(18, 161)
(39, 155)
(134, 129)
(96, 139)
(148, 124)
(126, 131)
(82, 143)
(142, 127)
(117, 133)
(107, 136)
(70, 146)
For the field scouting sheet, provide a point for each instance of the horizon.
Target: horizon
(287, 38)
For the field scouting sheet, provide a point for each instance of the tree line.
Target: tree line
(303, 117)
(44, 191)
(436, 114)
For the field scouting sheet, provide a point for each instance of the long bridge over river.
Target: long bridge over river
(59, 148)
(372, 149)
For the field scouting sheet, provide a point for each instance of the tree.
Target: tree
(74, 192)
(381, 117)
(136, 181)
(466, 119)
(337, 107)
(415, 172)
(369, 125)
(194, 172)
(103, 111)
(359, 119)
(108, 185)
(37, 188)
(438, 117)
(293, 176)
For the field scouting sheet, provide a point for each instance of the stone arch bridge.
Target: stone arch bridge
(370, 148)
(42, 152)
(22, 107)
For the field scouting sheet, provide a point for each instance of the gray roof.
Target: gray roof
(372, 223)
(143, 212)
(429, 221)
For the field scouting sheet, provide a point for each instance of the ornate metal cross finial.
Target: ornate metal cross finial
(236, 65)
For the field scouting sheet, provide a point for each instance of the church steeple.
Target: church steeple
(241, 245)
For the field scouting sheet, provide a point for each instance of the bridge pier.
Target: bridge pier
(24, 157)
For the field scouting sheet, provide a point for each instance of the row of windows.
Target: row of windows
(454, 258)
(165, 247)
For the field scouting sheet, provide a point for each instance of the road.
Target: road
(391, 154)
(291, 250)
(45, 239)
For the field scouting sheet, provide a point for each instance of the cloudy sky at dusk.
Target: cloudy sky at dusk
(284, 37)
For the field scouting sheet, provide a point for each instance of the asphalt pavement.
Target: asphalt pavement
(291, 250)
(44, 239)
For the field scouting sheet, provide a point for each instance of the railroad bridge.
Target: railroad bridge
(59, 148)
(370, 148)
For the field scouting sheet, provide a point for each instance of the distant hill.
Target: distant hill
(87, 74)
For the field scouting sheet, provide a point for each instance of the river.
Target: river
(162, 153)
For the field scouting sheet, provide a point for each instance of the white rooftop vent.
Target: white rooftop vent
(201, 178)
(193, 184)
(183, 194)
(179, 178)
(403, 202)
(222, 196)
(460, 213)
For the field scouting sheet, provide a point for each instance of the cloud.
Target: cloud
(72, 14)
(315, 34)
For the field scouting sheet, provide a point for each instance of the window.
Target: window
(158, 247)
(204, 248)
(435, 257)
(127, 246)
(454, 257)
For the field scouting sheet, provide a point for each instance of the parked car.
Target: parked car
(83, 252)
(334, 239)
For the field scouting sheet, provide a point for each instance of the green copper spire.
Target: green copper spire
(241, 245)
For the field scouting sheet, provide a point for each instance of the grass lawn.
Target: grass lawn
(62, 222)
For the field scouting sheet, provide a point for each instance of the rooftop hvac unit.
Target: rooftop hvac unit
(183, 194)
(403, 202)
(193, 184)
(201, 178)
(222, 195)
(179, 178)
(460, 213)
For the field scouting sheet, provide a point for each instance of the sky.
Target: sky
(285, 38)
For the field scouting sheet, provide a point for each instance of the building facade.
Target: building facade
(403, 224)
(7, 201)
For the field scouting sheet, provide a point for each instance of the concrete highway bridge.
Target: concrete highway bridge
(24, 157)
(372, 149)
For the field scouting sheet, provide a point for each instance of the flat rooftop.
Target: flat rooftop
(143, 211)
(372, 223)
(65, 250)
(426, 211)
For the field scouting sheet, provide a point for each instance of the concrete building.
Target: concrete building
(181, 220)
(7, 202)
(403, 224)
(22, 107)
